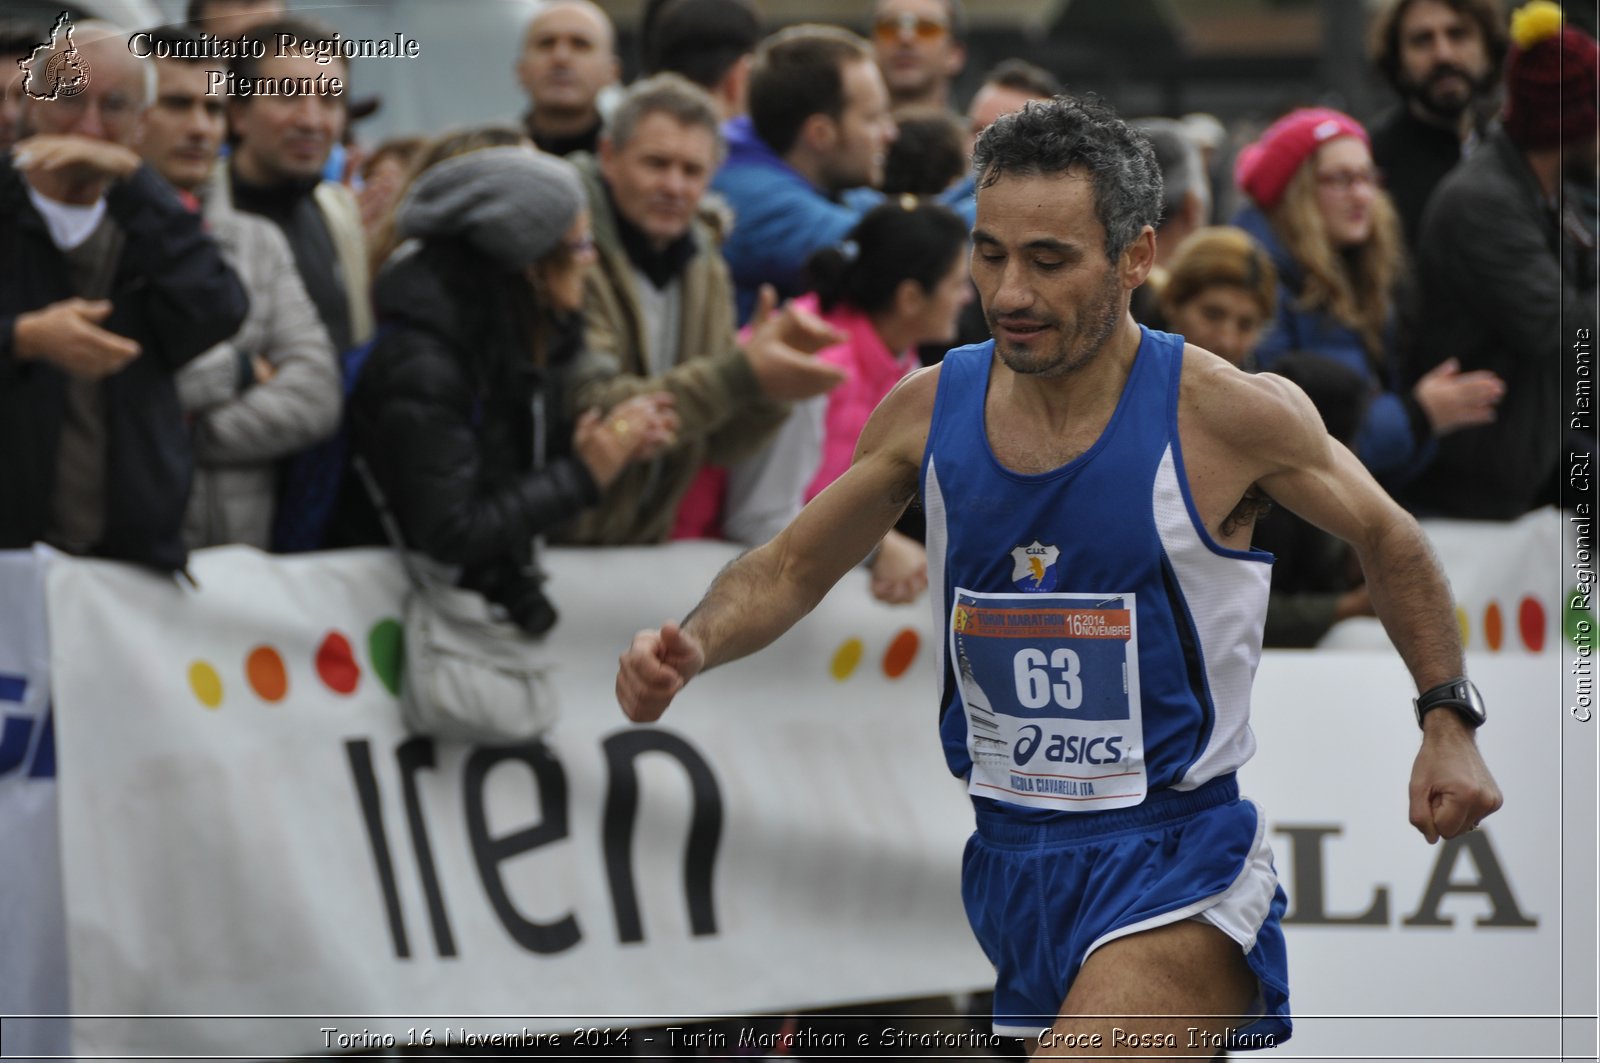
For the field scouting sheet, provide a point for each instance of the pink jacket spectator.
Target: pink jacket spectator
(873, 371)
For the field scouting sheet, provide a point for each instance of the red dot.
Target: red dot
(336, 664)
(1493, 626)
(901, 652)
(1530, 618)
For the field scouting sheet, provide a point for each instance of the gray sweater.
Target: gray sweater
(242, 428)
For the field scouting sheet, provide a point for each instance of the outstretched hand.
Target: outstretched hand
(781, 346)
(68, 334)
(1451, 788)
(654, 668)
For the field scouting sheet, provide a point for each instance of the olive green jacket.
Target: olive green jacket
(724, 415)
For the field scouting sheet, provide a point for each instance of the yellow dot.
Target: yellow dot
(206, 684)
(1465, 625)
(845, 659)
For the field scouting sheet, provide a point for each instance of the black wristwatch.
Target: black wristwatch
(1458, 694)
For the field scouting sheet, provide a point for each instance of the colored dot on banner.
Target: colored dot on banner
(1493, 626)
(336, 664)
(206, 684)
(1577, 620)
(387, 653)
(845, 659)
(1465, 625)
(1530, 620)
(901, 652)
(268, 677)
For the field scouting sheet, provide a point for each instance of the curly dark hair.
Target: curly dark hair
(1051, 137)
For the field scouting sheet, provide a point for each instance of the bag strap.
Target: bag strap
(391, 526)
(537, 543)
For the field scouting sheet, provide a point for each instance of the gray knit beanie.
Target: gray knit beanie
(512, 203)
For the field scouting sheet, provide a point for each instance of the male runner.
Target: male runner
(1090, 488)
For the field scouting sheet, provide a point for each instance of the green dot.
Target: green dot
(1578, 616)
(388, 653)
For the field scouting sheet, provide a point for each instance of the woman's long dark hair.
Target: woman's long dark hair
(895, 242)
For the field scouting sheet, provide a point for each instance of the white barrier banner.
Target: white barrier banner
(247, 829)
(1511, 581)
(33, 961)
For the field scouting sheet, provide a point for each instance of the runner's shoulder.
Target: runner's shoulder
(1254, 413)
(906, 413)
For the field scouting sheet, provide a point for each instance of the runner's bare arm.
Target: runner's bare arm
(765, 592)
(1311, 474)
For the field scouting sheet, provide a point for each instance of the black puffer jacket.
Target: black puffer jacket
(443, 414)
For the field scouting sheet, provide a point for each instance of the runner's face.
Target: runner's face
(1038, 259)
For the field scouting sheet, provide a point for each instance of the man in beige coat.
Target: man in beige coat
(659, 311)
(271, 389)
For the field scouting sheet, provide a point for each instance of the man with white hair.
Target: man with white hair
(107, 286)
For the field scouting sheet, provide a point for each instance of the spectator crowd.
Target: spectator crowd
(665, 310)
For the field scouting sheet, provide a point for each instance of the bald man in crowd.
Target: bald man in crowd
(569, 56)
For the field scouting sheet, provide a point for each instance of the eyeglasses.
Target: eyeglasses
(582, 245)
(891, 28)
(1346, 180)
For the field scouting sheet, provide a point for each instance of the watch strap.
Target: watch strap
(1459, 694)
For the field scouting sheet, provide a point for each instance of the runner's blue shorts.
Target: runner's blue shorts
(1042, 896)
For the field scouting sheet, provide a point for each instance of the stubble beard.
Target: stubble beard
(1070, 353)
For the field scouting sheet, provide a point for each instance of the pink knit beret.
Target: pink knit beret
(1265, 167)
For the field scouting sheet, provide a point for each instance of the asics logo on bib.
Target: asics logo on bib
(1066, 749)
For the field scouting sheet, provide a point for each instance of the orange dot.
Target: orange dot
(1493, 626)
(845, 659)
(1530, 619)
(1465, 624)
(901, 652)
(268, 677)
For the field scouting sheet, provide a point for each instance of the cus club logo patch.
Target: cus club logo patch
(1033, 567)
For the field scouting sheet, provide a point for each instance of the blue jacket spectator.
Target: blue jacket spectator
(819, 124)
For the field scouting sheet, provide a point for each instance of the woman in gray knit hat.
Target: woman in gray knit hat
(457, 411)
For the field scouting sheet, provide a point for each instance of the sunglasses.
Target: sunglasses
(892, 28)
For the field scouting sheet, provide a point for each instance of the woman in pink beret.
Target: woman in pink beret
(1318, 206)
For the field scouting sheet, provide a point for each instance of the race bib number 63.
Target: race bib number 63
(1050, 687)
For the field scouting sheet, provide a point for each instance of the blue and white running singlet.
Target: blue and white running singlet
(1101, 645)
